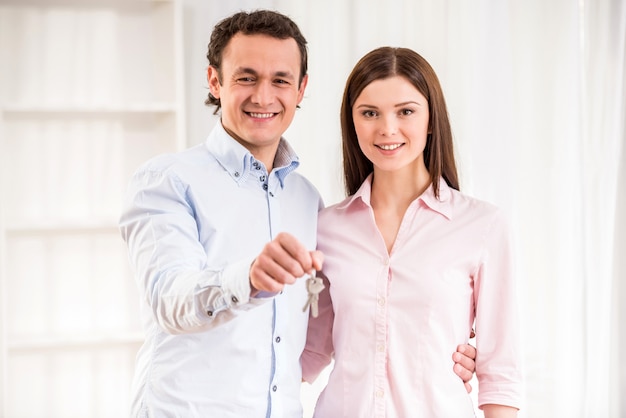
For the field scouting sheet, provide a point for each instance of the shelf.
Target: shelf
(82, 3)
(89, 90)
(60, 228)
(93, 51)
(79, 342)
(139, 108)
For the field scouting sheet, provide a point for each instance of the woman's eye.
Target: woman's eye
(369, 113)
(406, 112)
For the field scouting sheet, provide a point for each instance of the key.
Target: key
(314, 285)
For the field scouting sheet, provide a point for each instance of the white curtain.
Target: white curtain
(536, 93)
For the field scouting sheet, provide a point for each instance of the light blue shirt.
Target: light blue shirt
(193, 222)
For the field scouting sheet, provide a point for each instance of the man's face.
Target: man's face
(259, 90)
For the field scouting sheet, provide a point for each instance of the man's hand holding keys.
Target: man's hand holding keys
(282, 261)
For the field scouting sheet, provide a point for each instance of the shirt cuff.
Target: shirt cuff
(236, 281)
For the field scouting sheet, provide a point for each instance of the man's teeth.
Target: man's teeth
(390, 147)
(261, 115)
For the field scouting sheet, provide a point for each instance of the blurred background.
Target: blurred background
(89, 89)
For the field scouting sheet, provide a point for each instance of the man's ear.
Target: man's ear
(213, 80)
(302, 87)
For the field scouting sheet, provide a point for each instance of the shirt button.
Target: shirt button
(380, 348)
(210, 313)
(265, 187)
(380, 393)
(236, 173)
(277, 339)
(234, 299)
(381, 301)
(262, 178)
(274, 388)
(271, 194)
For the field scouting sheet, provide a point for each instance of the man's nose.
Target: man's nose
(263, 94)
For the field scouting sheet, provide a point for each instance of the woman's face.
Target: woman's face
(391, 121)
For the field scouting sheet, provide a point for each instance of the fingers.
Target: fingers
(281, 262)
(464, 364)
(317, 258)
(468, 387)
(262, 273)
(468, 351)
(462, 372)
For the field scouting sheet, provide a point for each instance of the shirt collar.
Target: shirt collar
(443, 204)
(238, 161)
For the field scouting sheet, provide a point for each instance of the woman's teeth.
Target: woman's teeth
(389, 147)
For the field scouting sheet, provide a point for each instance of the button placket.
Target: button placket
(262, 176)
(380, 355)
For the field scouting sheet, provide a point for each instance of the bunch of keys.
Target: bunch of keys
(314, 286)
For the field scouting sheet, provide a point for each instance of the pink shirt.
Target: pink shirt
(399, 317)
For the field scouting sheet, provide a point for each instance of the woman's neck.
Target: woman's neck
(398, 188)
(392, 193)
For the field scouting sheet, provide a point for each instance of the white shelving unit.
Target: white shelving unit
(89, 89)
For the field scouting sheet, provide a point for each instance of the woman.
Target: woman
(411, 264)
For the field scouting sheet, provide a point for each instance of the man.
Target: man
(219, 236)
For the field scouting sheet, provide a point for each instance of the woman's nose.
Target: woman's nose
(388, 126)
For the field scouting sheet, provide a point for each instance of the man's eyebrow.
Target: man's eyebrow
(248, 70)
(284, 74)
(244, 70)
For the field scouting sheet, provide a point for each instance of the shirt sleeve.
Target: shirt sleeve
(318, 351)
(169, 262)
(498, 343)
